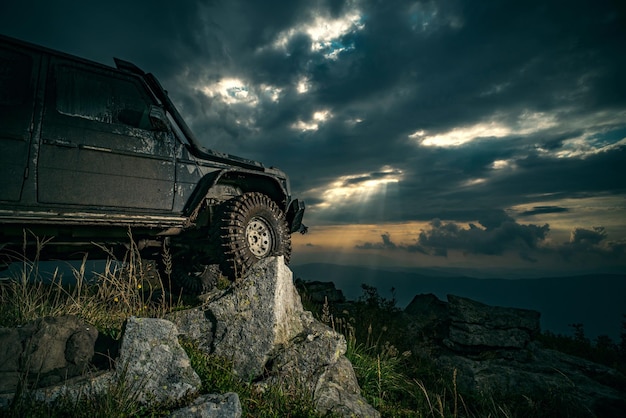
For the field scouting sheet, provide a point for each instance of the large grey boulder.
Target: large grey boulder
(46, 351)
(337, 392)
(153, 363)
(261, 326)
(320, 292)
(474, 324)
(578, 383)
(306, 356)
(315, 360)
(468, 327)
(152, 366)
(252, 318)
(493, 350)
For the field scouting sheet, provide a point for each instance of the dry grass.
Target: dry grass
(104, 298)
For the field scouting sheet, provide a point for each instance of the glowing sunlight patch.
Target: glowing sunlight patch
(460, 136)
(303, 85)
(325, 33)
(357, 187)
(231, 91)
(271, 92)
(234, 91)
(473, 182)
(314, 123)
(503, 164)
(527, 123)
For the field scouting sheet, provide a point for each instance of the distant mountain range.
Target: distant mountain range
(598, 301)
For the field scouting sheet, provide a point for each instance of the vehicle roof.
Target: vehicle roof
(49, 51)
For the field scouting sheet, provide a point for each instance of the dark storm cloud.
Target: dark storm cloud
(398, 80)
(497, 237)
(592, 241)
(494, 238)
(585, 237)
(157, 35)
(497, 234)
(540, 210)
(551, 72)
(386, 244)
(433, 184)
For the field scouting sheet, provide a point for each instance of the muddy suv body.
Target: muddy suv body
(89, 152)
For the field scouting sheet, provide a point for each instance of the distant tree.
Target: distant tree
(579, 333)
(606, 352)
(622, 343)
(581, 344)
(605, 343)
(373, 299)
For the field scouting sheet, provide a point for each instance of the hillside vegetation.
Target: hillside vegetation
(394, 380)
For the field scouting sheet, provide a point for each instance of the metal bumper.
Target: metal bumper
(295, 213)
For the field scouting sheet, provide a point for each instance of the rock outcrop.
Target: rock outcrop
(46, 351)
(249, 320)
(258, 323)
(152, 365)
(321, 292)
(153, 360)
(494, 350)
(476, 326)
(261, 327)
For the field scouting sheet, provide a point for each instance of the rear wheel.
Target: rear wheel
(248, 228)
(193, 277)
(188, 271)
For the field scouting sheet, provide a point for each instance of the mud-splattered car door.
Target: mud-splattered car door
(98, 147)
(18, 78)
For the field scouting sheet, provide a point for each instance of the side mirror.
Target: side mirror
(158, 119)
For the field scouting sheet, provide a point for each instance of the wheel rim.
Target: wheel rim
(259, 237)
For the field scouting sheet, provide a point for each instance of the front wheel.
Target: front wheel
(248, 228)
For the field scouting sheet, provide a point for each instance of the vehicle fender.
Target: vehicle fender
(245, 181)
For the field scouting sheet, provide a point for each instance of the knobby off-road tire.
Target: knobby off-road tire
(184, 271)
(192, 277)
(249, 228)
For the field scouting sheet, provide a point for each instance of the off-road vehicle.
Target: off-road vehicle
(89, 152)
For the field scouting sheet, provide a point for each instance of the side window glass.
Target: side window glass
(96, 97)
(15, 71)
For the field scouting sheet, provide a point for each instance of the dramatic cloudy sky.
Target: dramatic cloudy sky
(456, 133)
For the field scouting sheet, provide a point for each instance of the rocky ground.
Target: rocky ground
(261, 326)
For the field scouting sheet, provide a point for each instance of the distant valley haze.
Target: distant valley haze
(598, 301)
